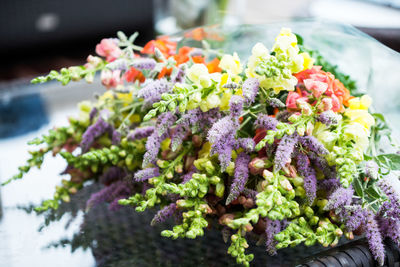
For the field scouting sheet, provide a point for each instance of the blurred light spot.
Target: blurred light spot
(47, 22)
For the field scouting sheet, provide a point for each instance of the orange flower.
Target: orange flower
(164, 72)
(163, 43)
(212, 66)
(134, 75)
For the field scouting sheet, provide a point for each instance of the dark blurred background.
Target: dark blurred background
(37, 36)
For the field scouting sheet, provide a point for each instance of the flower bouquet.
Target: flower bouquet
(281, 147)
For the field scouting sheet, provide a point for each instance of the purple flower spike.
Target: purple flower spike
(310, 179)
(250, 193)
(374, 238)
(108, 194)
(112, 174)
(186, 177)
(339, 198)
(236, 106)
(164, 214)
(152, 147)
(151, 93)
(92, 132)
(322, 164)
(328, 118)
(391, 207)
(266, 122)
(93, 114)
(271, 229)
(284, 151)
(241, 176)
(145, 174)
(144, 64)
(116, 137)
(250, 90)
(140, 133)
(222, 137)
(164, 122)
(390, 228)
(357, 217)
(179, 75)
(313, 145)
(247, 144)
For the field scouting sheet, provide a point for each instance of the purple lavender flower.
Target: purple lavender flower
(310, 179)
(374, 238)
(152, 147)
(329, 185)
(247, 144)
(114, 205)
(164, 214)
(271, 229)
(186, 177)
(371, 170)
(164, 122)
(236, 106)
(179, 75)
(250, 193)
(328, 118)
(241, 176)
(140, 133)
(390, 228)
(108, 193)
(312, 143)
(222, 137)
(284, 151)
(357, 217)
(339, 198)
(392, 207)
(92, 114)
(250, 90)
(266, 122)
(322, 164)
(144, 64)
(145, 174)
(112, 174)
(178, 135)
(92, 132)
(152, 91)
(116, 137)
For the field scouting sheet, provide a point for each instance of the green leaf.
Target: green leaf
(390, 161)
(373, 192)
(358, 187)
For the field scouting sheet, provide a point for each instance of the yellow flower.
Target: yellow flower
(360, 103)
(358, 112)
(308, 61)
(198, 74)
(231, 64)
(357, 132)
(225, 100)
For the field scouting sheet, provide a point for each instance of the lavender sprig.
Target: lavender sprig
(310, 179)
(164, 214)
(241, 176)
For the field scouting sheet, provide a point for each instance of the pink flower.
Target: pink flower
(92, 62)
(291, 100)
(111, 79)
(336, 106)
(109, 49)
(316, 87)
(327, 103)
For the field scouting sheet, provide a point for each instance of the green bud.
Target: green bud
(309, 212)
(313, 220)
